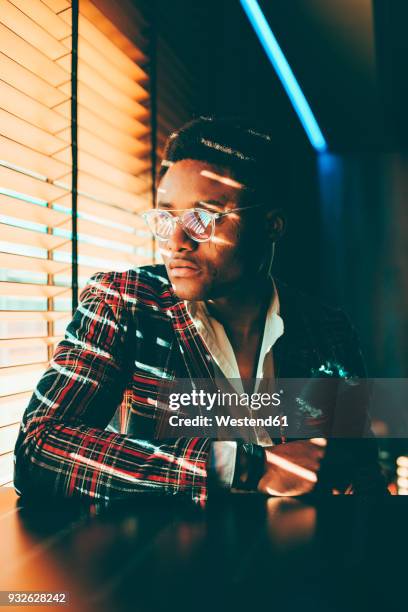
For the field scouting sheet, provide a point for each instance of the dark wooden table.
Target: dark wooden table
(241, 552)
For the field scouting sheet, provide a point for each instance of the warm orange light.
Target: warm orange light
(35, 165)
(44, 17)
(222, 179)
(291, 467)
(14, 19)
(33, 290)
(23, 132)
(290, 521)
(319, 441)
(31, 58)
(121, 158)
(21, 183)
(25, 81)
(32, 264)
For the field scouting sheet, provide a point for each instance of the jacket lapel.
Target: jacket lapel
(189, 342)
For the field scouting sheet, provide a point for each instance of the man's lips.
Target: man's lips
(182, 268)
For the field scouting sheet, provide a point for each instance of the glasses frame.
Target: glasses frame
(179, 219)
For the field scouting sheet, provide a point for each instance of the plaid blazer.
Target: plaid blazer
(89, 429)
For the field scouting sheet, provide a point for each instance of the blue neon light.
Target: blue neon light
(284, 72)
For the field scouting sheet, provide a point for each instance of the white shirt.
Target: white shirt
(223, 453)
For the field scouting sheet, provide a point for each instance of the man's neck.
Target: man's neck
(243, 311)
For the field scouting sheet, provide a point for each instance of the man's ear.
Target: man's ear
(275, 224)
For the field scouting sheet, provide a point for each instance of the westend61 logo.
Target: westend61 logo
(207, 401)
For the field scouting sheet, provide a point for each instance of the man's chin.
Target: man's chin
(188, 289)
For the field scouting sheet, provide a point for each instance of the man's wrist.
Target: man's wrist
(249, 466)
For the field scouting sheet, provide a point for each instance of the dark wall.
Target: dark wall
(364, 264)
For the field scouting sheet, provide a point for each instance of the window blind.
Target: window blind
(114, 150)
(113, 180)
(35, 258)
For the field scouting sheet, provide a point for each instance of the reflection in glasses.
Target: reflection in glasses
(197, 223)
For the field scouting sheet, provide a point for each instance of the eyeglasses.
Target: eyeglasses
(197, 223)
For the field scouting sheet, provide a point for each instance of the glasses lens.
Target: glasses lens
(160, 224)
(198, 224)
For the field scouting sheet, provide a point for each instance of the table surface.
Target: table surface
(241, 551)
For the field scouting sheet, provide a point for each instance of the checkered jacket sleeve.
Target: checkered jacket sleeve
(63, 448)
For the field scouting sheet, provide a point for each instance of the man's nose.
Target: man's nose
(180, 241)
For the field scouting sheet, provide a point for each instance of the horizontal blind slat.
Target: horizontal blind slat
(102, 42)
(26, 28)
(19, 379)
(12, 407)
(28, 211)
(6, 468)
(103, 191)
(27, 342)
(25, 158)
(8, 437)
(33, 290)
(101, 148)
(35, 315)
(134, 130)
(29, 83)
(108, 254)
(118, 265)
(87, 75)
(106, 110)
(18, 235)
(44, 17)
(29, 135)
(28, 109)
(57, 5)
(96, 167)
(94, 189)
(63, 245)
(31, 58)
(29, 186)
(30, 328)
(117, 138)
(33, 264)
(129, 85)
(93, 228)
(105, 211)
(49, 241)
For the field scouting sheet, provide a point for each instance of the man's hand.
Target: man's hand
(291, 468)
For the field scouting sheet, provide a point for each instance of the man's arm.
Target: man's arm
(63, 449)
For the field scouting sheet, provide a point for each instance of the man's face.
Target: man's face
(207, 270)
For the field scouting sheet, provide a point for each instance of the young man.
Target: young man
(213, 310)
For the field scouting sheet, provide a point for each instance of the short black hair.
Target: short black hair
(249, 153)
